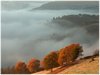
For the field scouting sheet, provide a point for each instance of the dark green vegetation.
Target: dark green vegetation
(89, 22)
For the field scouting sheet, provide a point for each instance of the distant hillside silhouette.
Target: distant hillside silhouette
(61, 5)
(89, 22)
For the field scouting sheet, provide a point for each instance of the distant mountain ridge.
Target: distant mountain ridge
(61, 5)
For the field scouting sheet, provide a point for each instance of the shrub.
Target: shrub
(33, 65)
(21, 68)
(50, 61)
(69, 54)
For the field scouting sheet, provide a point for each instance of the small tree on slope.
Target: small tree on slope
(69, 54)
(33, 65)
(50, 61)
(21, 68)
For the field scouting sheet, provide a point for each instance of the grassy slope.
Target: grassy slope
(83, 67)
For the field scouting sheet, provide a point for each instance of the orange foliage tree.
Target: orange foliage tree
(33, 65)
(21, 68)
(50, 61)
(69, 53)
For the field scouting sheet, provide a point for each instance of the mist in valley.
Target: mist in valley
(27, 33)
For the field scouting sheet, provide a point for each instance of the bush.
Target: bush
(21, 68)
(33, 65)
(50, 61)
(69, 54)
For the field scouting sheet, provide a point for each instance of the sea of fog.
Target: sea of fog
(26, 34)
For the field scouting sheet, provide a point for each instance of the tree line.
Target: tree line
(64, 56)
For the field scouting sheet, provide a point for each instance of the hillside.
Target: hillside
(83, 66)
(61, 5)
(90, 23)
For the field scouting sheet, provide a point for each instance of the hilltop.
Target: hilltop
(62, 5)
(83, 66)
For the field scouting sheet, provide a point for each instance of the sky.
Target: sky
(49, 0)
(29, 34)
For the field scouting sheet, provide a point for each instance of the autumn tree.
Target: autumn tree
(33, 65)
(69, 53)
(50, 61)
(21, 68)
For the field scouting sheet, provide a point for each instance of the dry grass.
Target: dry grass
(45, 71)
(84, 67)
